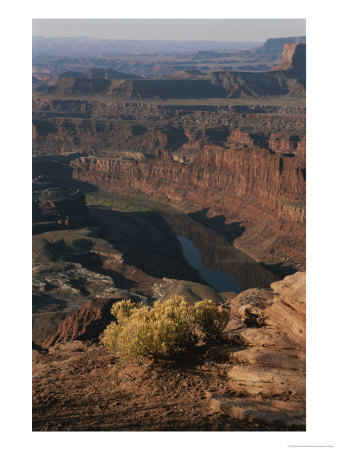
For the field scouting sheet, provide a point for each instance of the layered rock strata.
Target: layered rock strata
(261, 190)
(252, 380)
(88, 322)
(108, 131)
(294, 58)
(216, 85)
(266, 372)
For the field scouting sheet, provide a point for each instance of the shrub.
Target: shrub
(169, 329)
(210, 319)
(123, 309)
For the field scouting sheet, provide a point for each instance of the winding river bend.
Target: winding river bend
(220, 264)
(219, 280)
(217, 261)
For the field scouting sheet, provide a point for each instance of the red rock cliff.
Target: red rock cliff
(294, 58)
(263, 190)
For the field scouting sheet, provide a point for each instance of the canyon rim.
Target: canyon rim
(161, 170)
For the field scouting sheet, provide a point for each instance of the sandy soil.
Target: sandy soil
(80, 387)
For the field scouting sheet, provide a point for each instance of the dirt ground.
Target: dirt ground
(80, 387)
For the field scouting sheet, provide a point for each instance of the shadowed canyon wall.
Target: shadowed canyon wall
(263, 190)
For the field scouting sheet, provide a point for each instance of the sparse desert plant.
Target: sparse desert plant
(168, 329)
(122, 309)
(210, 319)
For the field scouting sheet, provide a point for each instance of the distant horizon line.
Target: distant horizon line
(159, 40)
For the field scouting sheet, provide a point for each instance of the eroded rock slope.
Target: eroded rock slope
(266, 372)
(254, 380)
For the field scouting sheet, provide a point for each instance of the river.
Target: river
(220, 264)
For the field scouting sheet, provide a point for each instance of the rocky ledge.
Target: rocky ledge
(254, 380)
(266, 372)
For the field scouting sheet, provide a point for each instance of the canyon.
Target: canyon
(157, 58)
(227, 167)
(224, 184)
(125, 169)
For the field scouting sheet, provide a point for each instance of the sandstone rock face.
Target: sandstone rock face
(262, 190)
(254, 380)
(90, 321)
(85, 323)
(243, 162)
(267, 366)
(285, 414)
(294, 57)
(103, 128)
(294, 62)
(274, 47)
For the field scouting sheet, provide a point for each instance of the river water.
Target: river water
(220, 264)
(219, 280)
(217, 261)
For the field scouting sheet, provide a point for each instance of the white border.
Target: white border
(16, 208)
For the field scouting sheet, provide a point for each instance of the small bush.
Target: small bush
(169, 329)
(123, 309)
(210, 319)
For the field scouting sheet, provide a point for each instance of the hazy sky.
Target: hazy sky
(171, 29)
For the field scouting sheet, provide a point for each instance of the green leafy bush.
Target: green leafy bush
(169, 329)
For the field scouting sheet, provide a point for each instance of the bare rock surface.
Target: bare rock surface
(287, 414)
(262, 191)
(193, 292)
(267, 357)
(294, 57)
(90, 321)
(254, 380)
